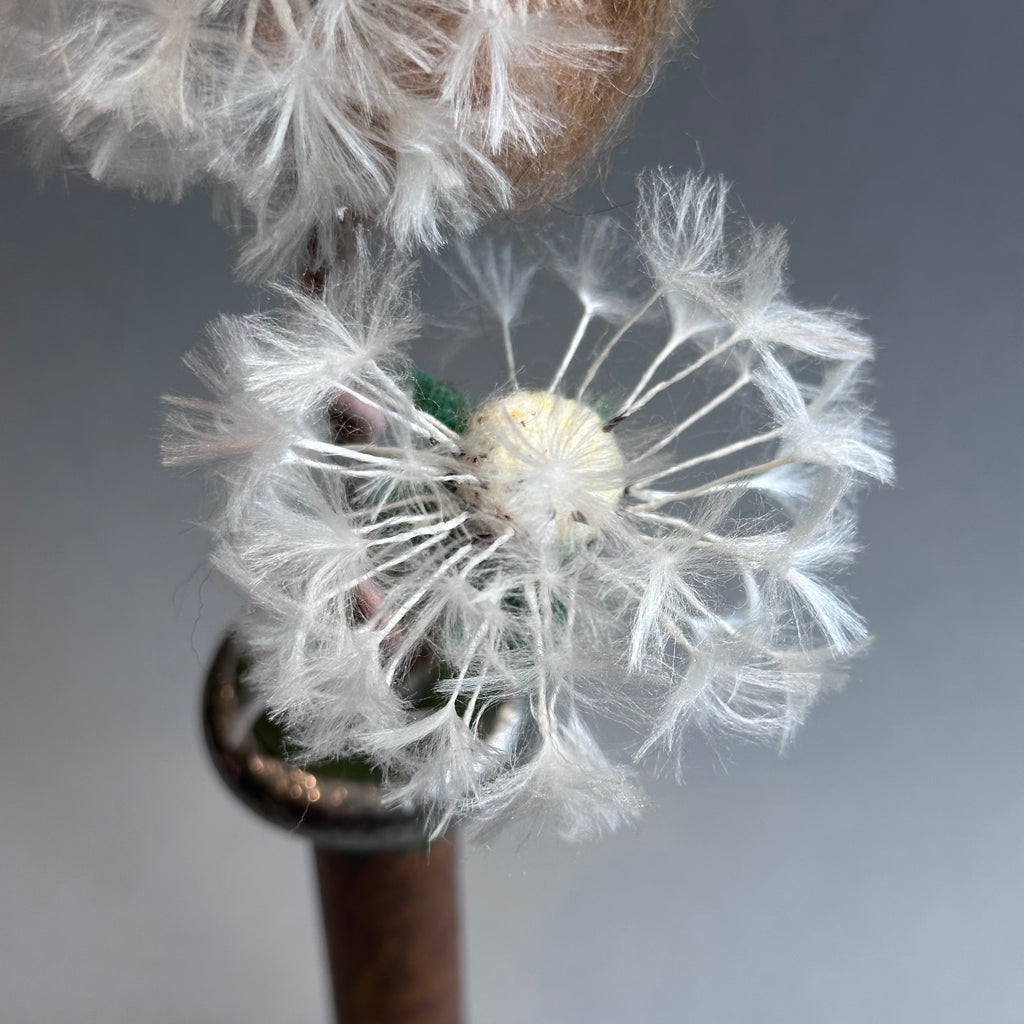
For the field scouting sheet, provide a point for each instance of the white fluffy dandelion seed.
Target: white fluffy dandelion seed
(311, 114)
(647, 531)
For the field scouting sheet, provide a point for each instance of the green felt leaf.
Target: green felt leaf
(441, 400)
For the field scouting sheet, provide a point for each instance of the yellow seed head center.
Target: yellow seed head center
(545, 464)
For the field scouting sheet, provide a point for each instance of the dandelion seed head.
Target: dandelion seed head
(544, 464)
(670, 564)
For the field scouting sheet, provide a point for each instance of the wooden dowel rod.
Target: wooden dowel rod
(392, 934)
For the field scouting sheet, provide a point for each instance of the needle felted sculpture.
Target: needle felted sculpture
(449, 590)
(654, 544)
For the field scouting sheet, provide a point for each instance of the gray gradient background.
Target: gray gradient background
(873, 873)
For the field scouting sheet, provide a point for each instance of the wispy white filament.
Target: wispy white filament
(702, 594)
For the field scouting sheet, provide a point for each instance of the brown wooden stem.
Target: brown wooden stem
(392, 936)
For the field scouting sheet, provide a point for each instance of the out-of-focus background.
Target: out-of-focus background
(872, 873)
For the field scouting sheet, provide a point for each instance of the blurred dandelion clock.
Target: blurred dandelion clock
(646, 530)
(311, 115)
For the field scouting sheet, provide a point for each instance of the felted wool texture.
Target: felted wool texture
(592, 107)
(651, 531)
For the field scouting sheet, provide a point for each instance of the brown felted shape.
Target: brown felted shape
(592, 104)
